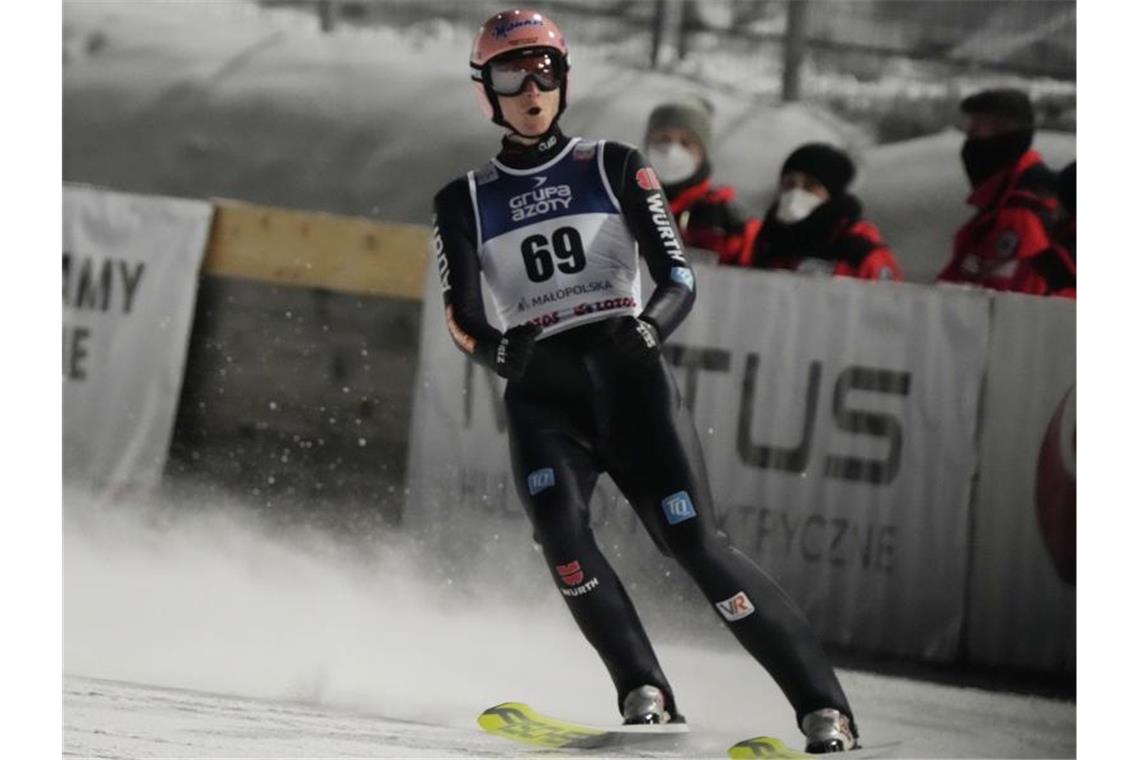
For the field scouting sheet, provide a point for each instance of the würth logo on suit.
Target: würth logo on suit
(572, 575)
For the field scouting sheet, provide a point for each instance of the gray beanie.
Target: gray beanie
(691, 112)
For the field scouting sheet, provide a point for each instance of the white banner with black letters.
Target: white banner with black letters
(838, 420)
(130, 278)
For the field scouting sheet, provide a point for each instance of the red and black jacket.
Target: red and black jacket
(834, 240)
(1008, 245)
(708, 217)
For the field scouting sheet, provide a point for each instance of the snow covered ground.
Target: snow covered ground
(210, 635)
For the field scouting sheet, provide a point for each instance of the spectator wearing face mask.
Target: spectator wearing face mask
(815, 226)
(677, 137)
(1006, 245)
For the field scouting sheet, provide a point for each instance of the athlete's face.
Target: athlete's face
(532, 111)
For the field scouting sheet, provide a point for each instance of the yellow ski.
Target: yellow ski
(519, 722)
(765, 747)
(774, 749)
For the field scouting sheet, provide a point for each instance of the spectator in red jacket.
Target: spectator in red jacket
(1065, 232)
(677, 139)
(815, 226)
(1006, 245)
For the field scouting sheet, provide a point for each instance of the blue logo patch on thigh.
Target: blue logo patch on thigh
(540, 480)
(678, 507)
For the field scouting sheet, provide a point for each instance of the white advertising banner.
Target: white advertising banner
(1022, 608)
(838, 420)
(130, 275)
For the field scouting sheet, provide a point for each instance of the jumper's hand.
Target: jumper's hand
(636, 340)
(514, 350)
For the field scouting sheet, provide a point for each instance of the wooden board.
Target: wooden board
(317, 250)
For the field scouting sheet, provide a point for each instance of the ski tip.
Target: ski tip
(495, 717)
(519, 722)
(765, 747)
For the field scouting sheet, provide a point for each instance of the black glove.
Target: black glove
(635, 340)
(514, 350)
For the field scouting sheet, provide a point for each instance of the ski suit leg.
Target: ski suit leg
(555, 470)
(655, 458)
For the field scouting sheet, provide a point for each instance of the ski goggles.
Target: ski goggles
(508, 77)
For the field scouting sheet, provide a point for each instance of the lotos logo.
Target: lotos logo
(571, 574)
(678, 507)
(736, 607)
(647, 179)
(504, 29)
(625, 302)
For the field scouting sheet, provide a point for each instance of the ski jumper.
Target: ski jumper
(555, 230)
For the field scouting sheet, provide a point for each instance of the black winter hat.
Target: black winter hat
(831, 166)
(1009, 104)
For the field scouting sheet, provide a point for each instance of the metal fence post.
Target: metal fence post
(689, 22)
(794, 49)
(658, 33)
(327, 14)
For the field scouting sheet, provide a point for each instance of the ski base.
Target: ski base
(521, 723)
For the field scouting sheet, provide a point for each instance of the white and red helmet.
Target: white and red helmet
(508, 33)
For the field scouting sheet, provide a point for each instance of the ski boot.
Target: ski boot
(828, 730)
(646, 705)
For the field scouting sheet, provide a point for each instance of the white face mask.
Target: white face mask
(796, 204)
(672, 163)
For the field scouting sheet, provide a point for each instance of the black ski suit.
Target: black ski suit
(587, 403)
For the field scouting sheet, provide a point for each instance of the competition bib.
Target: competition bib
(553, 245)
